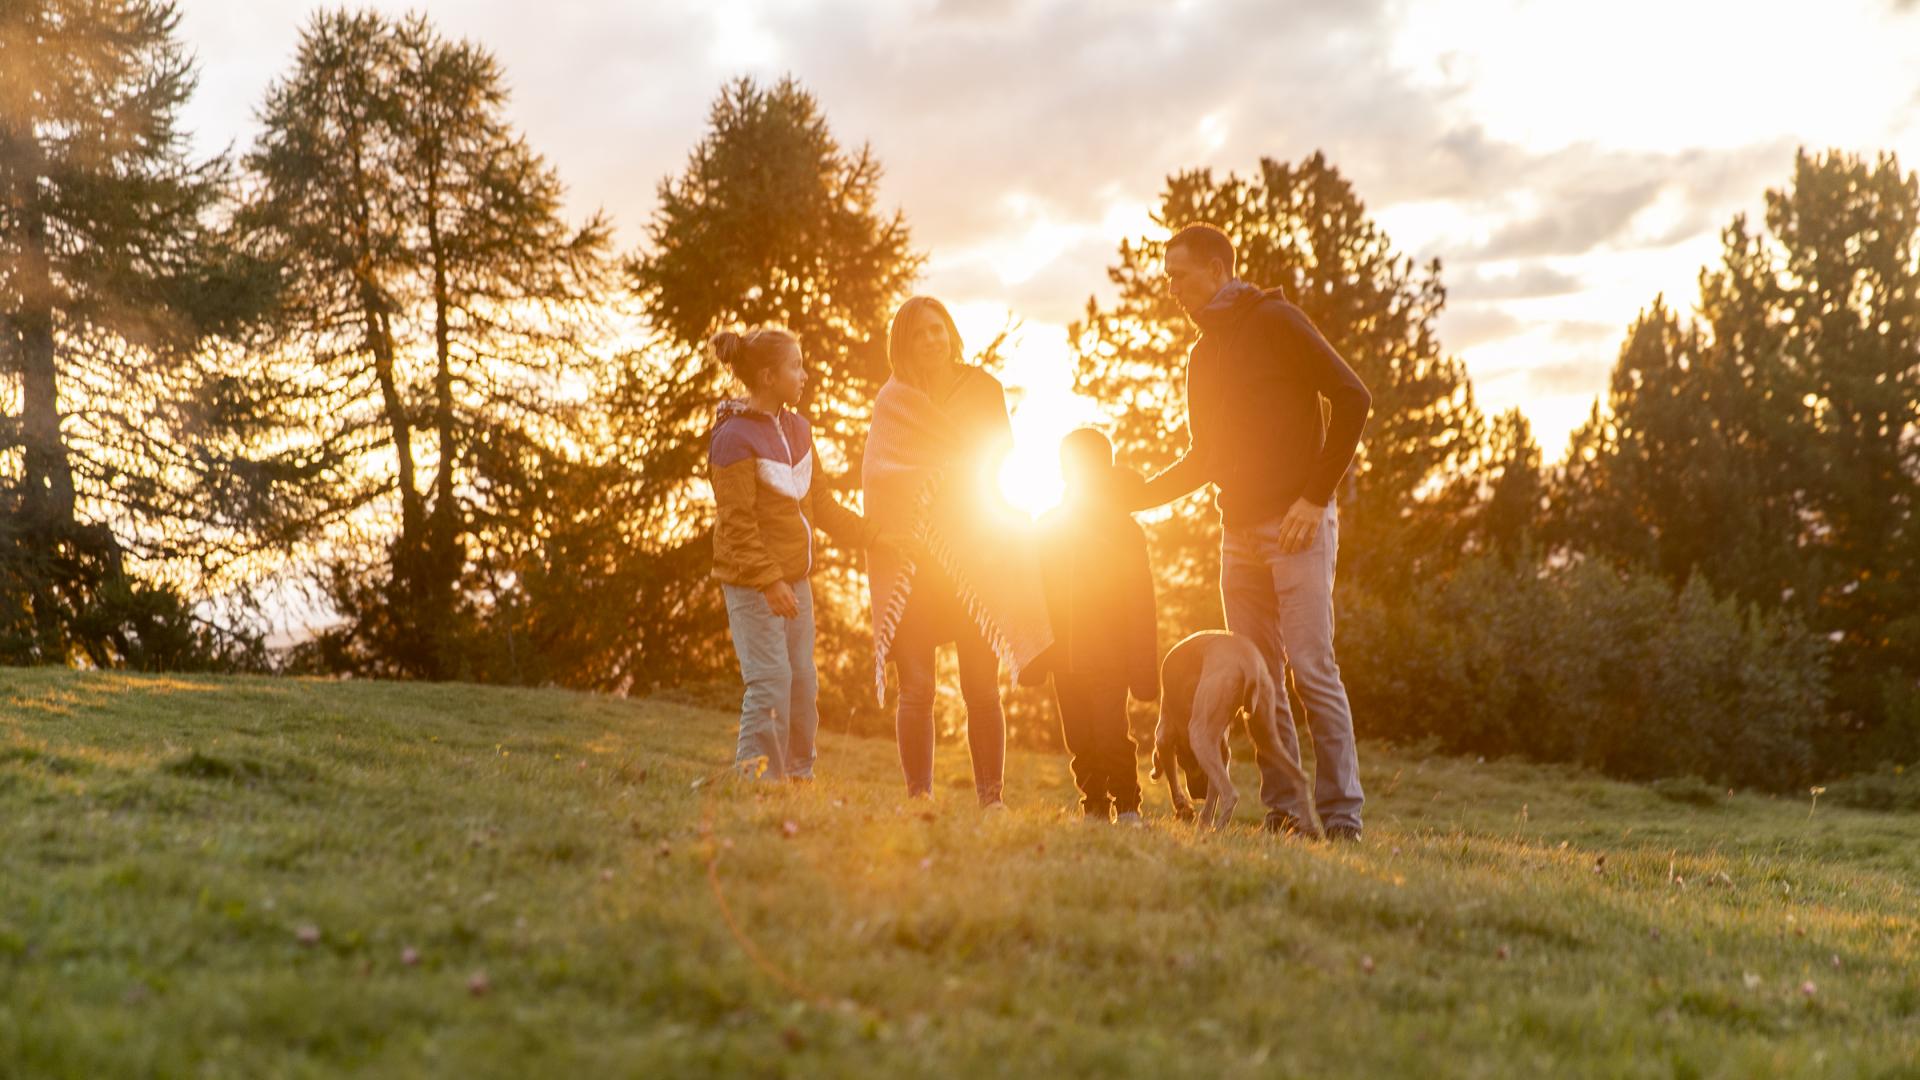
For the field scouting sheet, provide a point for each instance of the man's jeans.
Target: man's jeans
(780, 711)
(1285, 604)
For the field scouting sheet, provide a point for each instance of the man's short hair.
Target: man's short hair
(1206, 241)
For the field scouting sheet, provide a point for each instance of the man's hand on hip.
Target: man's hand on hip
(1299, 526)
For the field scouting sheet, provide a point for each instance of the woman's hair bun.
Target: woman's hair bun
(726, 347)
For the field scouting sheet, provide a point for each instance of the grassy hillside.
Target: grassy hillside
(268, 877)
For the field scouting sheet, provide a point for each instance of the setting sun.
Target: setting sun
(1030, 477)
(1038, 376)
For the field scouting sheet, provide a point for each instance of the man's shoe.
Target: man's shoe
(997, 806)
(1093, 818)
(1343, 834)
(1129, 818)
(1288, 825)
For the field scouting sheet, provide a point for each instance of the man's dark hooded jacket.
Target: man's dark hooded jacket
(1254, 425)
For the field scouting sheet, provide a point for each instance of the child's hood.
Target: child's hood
(735, 408)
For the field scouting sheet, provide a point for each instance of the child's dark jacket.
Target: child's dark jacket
(1100, 595)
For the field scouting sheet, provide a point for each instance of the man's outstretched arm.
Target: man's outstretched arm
(1190, 471)
(1195, 466)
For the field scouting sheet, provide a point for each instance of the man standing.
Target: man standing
(1257, 433)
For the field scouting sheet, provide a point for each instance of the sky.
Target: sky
(1566, 162)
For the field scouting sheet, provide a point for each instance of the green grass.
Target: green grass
(165, 841)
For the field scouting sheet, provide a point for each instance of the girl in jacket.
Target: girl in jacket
(769, 495)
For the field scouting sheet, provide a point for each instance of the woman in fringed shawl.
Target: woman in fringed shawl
(967, 568)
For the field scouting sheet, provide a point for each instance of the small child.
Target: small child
(1100, 598)
(768, 494)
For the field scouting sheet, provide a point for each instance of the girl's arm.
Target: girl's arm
(848, 528)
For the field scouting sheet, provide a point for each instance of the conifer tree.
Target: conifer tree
(438, 316)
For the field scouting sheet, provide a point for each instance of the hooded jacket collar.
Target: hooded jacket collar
(1231, 304)
(732, 407)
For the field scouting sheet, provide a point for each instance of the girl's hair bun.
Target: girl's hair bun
(726, 347)
(753, 352)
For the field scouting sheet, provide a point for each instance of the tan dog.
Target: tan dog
(1205, 681)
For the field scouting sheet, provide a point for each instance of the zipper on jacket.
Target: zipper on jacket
(805, 525)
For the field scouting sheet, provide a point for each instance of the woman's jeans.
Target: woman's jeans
(780, 711)
(921, 630)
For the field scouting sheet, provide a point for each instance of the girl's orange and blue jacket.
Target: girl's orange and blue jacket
(768, 491)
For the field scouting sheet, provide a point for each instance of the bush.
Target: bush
(1891, 787)
(1584, 664)
(65, 599)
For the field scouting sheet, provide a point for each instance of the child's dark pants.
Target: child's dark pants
(1093, 716)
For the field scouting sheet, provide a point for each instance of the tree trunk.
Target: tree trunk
(48, 493)
(446, 512)
(443, 531)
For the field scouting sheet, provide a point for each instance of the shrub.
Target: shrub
(1891, 787)
(1582, 663)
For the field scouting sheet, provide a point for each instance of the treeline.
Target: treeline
(367, 365)
(1721, 579)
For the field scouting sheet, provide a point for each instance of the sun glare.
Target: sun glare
(1039, 372)
(1038, 375)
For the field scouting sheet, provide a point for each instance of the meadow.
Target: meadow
(281, 877)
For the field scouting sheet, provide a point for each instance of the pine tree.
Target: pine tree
(1508, 516)
(437, 310)
(114, 279)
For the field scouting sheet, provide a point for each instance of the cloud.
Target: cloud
(1577, 222)
(1476, 324)
(1532, 280)
(1565, 377)
(1531, 381)
(974, 10)
(1585, 199)
(1579, 332)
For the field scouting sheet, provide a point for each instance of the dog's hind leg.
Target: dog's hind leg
(1196, 778)
(1212, 712)
(1169, 738)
